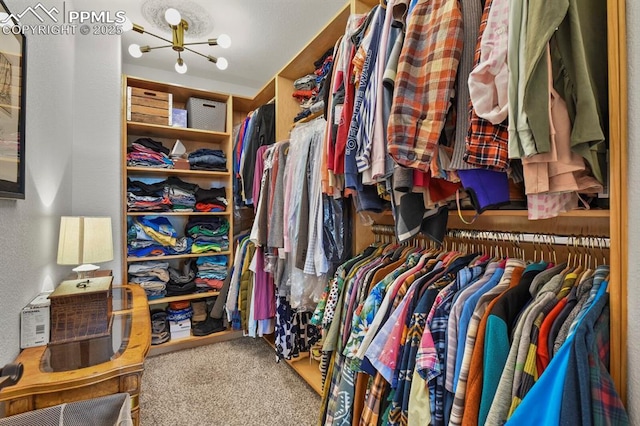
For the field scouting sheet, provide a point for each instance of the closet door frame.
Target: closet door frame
(618, 210)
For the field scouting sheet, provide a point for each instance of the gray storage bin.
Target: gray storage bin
(206, 115)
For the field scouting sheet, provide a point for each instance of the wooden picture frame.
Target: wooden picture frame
(12, 107)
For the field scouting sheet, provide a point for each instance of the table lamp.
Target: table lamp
(83, 241)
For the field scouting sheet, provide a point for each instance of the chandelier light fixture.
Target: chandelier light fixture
(178, 27)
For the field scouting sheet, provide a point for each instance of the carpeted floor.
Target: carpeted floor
(229, 383)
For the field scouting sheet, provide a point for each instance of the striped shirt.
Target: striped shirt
(511, 276)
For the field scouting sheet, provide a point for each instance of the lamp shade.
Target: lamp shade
(85, 240)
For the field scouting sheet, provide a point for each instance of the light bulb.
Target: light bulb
(222, 64)
(134, 50)
(172, 16)
(181, 68)
(4, 20)
(127, 25)
(224, 41)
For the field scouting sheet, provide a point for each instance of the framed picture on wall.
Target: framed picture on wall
(12, 107)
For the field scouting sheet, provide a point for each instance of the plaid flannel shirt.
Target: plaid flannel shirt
(487, 143)
(606, 406)
(425, 81)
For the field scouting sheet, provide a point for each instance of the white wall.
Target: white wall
(28, 228)
(73, 163)
(633, 301)
(189, 81)
(96, 135)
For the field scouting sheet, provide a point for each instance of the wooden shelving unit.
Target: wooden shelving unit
(177, 256)
(192, 139)
(178, 213)
(159, 171)
(193, 296)
(156, 130)
(193, 341)
(306, 367)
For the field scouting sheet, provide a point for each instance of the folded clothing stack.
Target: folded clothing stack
(211, 200)
(145, 152)
(143, 196)
(209, 234)
(152, 276)
(154, 236)
(310, 89)
(208, 159)
(212, 271)
(181, 280)
(181, 194)
(179, 311)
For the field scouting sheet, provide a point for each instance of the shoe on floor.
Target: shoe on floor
(159, 327)
(208, 326)
(200, 310)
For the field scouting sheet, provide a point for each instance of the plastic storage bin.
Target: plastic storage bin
(205, 114)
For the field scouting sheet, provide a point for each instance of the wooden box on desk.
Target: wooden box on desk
(149, 106)
(80, 310)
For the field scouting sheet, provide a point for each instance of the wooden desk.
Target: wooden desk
(40, 389)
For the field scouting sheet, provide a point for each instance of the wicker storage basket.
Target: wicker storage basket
(79, 312)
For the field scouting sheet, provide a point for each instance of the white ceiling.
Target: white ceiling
(265, 34)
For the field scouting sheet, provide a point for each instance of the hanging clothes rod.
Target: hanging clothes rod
(515, 237)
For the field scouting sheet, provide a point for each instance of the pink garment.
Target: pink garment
(264, 306)
(559, 170)
(257, 176)
(397, 337)
(427, 357)
(489, 80)
(545, 206)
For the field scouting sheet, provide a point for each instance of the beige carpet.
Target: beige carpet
(229, 383)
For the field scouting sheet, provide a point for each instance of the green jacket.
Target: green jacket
(577, 31)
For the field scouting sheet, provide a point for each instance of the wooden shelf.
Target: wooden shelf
(178, 213)
(306, 367)
(160, 131)
(575, 222)
(159, 171)
(183, 297)
(193, 341)
(176, 256)
(524, 213)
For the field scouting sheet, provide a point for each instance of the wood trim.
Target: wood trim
(185, 133)
(618, 167)
(193, 296)
(305, 366)
(193, 341)
(123, 180)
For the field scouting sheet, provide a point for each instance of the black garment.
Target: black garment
(145, 189)
(511, 303)
(263, 133)
(176, 182)
(151, 144)
(211, 195)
